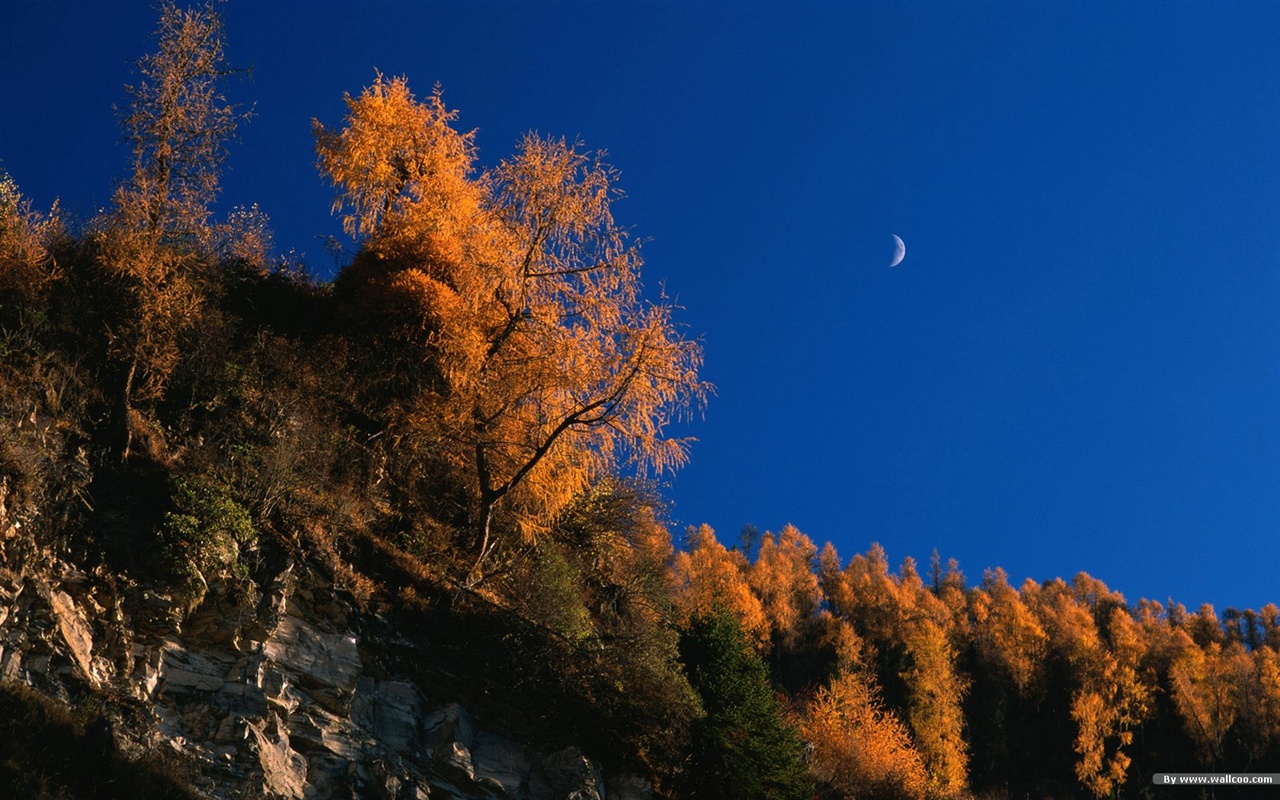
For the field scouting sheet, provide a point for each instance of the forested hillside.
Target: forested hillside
(463, 431)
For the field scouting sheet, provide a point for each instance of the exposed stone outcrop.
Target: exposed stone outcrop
(284, 771)
(270, 695)
(573, 776)
(75, 632)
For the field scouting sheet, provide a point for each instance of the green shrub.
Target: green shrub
(554, 597)
(204, 537)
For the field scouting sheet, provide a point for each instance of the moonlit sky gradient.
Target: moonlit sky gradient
(1076, 366)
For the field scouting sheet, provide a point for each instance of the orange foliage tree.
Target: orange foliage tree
(1206, 687)
(859, 749)
(27, 265)
(543, 367)
(709, 579)
(783, 578)
(1006, 632)
(1260, 702)
(1111, 695)
(1112, 699)
(178, 124)
(935, 685)
(898, 615)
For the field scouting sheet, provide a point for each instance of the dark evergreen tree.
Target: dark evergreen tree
(742, 747)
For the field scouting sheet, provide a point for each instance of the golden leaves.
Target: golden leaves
(543, 367)
(1007, 632)
(178, 124)
(783, 578)
(396, 161)
(1206, 687)
(709, 579)
(163, 302)
(27, 266)
(859, 748)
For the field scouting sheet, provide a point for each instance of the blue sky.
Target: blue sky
(1077, 366)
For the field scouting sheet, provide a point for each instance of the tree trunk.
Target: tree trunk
(124, 434)
(484, 538)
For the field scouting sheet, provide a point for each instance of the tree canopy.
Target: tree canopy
(544, 368)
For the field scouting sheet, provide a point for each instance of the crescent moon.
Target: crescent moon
(899, 251)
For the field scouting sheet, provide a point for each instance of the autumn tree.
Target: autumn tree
(178, 125)
(27, 239)
(908, 627)
(1095, 666)
(1204, 627)
(542, 366)
(1206, 684)
(1260, 705)
(863, 592)
(859, 748)
(1006, 632)
(709, 578)
(1269, 625)
(783, 578)
(1112, 699)
(935, 686)
(949, 586)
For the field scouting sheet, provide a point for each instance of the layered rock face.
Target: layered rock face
(270, 694)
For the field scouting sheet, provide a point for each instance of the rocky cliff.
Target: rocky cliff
(277, 687)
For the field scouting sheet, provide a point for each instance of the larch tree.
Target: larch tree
(1206, 687)
(544, 368)
(935, 712)
(1269, 624)
(1113, 698)
(949, 586)
(867, 595)
(27, 238)
(178, 124)
(784, 580)
(1069, 624)
(1006, 632)
(1100, 650)
(710, 579)
(935, 686)
(833, 581)
(858, 748)
(1260, 706)
(1204, 627)
(908, 624)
